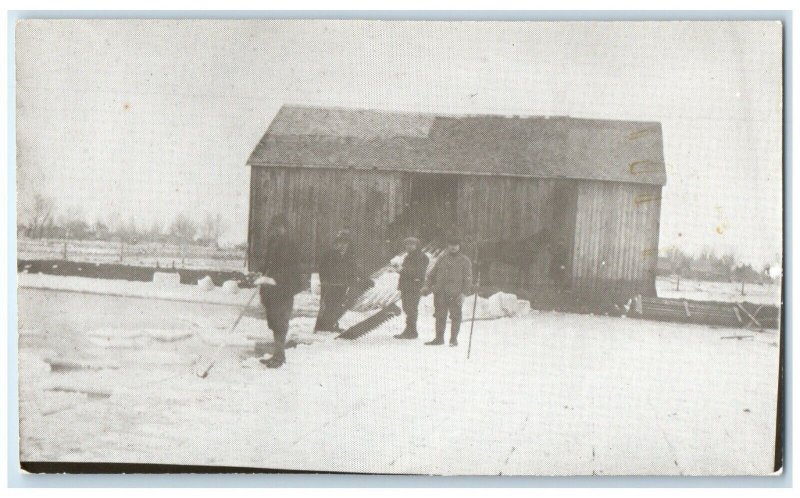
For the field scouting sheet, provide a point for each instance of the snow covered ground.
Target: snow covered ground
(498, 305)
(110, 379)
(129, 288)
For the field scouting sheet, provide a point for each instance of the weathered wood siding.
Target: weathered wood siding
(319, 203)
(506, 208)
(610, 230)
(616, 237)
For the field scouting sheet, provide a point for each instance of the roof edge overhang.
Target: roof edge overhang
(662, 181)
(491, 115)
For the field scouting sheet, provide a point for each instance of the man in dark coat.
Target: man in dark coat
(412, 279)
(280, 281)
(450, 279)
(337, 273)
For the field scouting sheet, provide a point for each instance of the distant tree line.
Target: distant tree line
(43, 222)
(711, 267)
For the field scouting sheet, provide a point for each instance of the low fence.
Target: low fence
(151, 254)
(115, 271)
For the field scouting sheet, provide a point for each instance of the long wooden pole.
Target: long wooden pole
(201, 370)
(475, 300)
(472, 325)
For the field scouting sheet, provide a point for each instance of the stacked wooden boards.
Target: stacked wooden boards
(726, 314)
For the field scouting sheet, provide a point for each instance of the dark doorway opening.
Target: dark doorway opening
(430, 209)
(432, 206)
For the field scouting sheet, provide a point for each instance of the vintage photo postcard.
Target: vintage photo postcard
(437, 248)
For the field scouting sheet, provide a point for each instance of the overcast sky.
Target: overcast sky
(148, 118)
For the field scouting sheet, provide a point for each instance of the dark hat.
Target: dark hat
(453, 240)
(411, 240)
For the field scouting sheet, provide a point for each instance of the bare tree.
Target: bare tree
(183, 228)
(727, 266)
(212, 228)
(112, 221)
(155, 231)
(130, 230)
(74, 223)
(41, 215)
(101, 230)
(679, 262)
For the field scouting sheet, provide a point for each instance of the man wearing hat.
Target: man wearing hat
(412, 279)
(337, 272)
(450, 279)
(280, 281)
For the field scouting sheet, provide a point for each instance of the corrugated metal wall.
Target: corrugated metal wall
(616, 237)
(320, 202)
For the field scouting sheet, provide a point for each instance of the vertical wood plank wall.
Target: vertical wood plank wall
(319, 203)
(506, 208)
(610, 229)
(616, 237)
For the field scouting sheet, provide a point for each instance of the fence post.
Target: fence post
(65, 249)
(121, 250)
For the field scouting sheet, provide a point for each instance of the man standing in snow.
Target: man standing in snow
(450, 279)
(337, 273)
(412, 279)
(280, 281)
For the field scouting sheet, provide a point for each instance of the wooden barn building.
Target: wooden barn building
(551, 204)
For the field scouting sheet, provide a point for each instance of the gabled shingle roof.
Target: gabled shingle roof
(541, 147)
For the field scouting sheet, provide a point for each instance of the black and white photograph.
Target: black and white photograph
(450, 248)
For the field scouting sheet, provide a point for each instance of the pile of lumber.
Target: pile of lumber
(746, 315)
